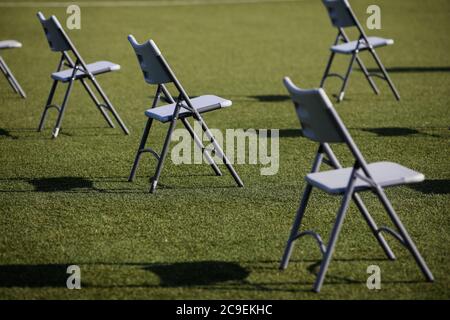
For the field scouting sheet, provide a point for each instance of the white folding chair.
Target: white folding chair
(342, 16)
(10, 44)
(321, 123)
(78, 70)
(157, 71)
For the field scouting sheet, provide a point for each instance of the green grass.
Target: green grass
(67, 201)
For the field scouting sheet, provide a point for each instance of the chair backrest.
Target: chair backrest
(151, 62)
(317, 116)
(340, 13)
(56, 37)
(320, 121)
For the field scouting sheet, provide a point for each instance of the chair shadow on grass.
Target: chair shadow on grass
(183, 274)
(85, 185)
(34, 276)
(290, 133)
(21, 133)
(271, 98)
(54, 184)
(397, 132)
(210, 275)
(45, 135)
(75, 185)
(413, 69)
(432, 186)
(284, 133)
(63, 184)
(220, 275)
(391, 131)
(205, 275)
(6, 134)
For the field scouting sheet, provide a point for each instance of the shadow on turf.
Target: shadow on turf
(391, 131)
(270, 97)
(209, 275)
(5, 133)
(55, 184)
(290, 133)
(74, 132)
(382, 132)
(79, 184)
(183, 274)
(413, 69)
(61, 184)
(396, 132)
(187, 274)
(85, 185)
(285, 133)
(226, 276)
(432, 186)
(42, 275)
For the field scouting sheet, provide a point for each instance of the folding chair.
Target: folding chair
(321, 123)
(342, 16)
(157, 71)
(11, 44)
(78, 70)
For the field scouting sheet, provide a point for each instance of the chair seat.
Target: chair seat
(385, 174)
(201, 104)
(9, 44)
(95, 68)
(350, 47)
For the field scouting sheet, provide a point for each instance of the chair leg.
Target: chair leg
(334, 235)
(327, 69)
(295, 227)
(97, 103)
(141, 148)
(385, 74)
(368, 77)
(163, 155)
(11, 79)
(5, 69)
(347, 76)
(362, 208)
(47, 105)
(61, 111)
(222, 154)
(373, 226)
(199, 143)
(404, 234)
(110, 106)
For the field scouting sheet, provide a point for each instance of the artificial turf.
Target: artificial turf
(67, 201)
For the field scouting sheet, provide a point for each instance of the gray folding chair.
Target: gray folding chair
(157, 71)
(11, 44)
(321, 123)
(342, 16)
(78, 70)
